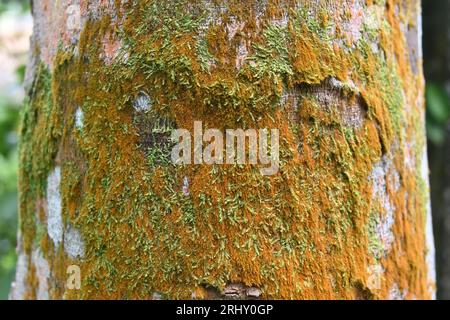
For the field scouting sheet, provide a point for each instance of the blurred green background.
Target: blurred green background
(436, 47)
(15, 28)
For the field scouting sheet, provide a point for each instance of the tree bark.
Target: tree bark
(347, 215)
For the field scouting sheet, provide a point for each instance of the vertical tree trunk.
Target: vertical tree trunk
(346, 215)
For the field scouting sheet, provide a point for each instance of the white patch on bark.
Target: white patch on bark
(353, 26)
(381, 235)
(419, 34)
(396, 294)
(79, 118)
(409, 158)
(242, 54)
(373, 18)
(54, 218)
(18, 287)
(335, 83)
(384, 235)
(375, 274)
(253, 292)
(234, 27)
(156, 296)
(42, 270)
(186, 191)
(73, 243)
(281, 22)
(142, 103)
(332, 96)
(353, 116)
(430, 257)
(260, 9)
(237, 290)
(212, 13)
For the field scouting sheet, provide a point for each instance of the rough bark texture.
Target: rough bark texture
(345, 217)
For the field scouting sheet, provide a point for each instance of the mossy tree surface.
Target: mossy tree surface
(342, 81)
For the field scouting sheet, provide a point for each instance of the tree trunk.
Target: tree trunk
(345, 217)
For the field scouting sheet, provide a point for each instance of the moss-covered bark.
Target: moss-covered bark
(344, 218)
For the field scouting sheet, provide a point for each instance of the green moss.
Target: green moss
(272, 58)
(205, 58)
(40, 133)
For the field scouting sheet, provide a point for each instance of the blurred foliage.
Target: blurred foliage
(438, 112)
(7, 4)
(9, 116)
